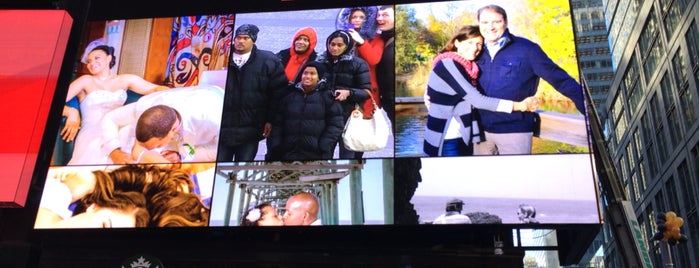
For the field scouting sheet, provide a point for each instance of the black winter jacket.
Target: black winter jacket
(348, 72)
(307, 126)
(251, 98)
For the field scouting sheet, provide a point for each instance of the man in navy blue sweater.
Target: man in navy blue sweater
(511, 67)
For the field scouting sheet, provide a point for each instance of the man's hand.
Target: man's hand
(70, 130)
(530, 104)
(120, 157)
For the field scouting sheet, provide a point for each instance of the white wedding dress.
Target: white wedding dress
(88, 142)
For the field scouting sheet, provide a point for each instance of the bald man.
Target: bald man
(302, 209)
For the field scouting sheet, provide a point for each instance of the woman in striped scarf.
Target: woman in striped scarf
(451, 94)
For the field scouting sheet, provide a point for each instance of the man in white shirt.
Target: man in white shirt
(453, 215)
(196, 136)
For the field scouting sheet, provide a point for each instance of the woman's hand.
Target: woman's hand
(356, 37)
(72, 125)
(341, 94)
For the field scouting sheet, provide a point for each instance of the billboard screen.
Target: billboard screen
(226, 120)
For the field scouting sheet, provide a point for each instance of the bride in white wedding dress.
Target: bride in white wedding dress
(98, 93)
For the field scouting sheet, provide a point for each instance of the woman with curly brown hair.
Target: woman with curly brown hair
(169, 194)
(164, 196)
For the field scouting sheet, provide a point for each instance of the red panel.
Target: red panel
(32, 44)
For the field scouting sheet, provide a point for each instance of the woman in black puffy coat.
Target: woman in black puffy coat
(348, 77)
(309, 119)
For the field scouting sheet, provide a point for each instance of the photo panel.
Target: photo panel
(541, 189)
(423, 30)
(126, 196)
(343, 85)
(340, 192)
(146, 91)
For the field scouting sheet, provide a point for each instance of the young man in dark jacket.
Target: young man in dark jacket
(511, 67)
(255, 83)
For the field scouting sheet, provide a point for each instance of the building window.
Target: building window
(636, 188)
(620, 128)
(606, 76)
(596, 26)
(619, 117)
(648, 136)
(584, 52)
(672, 13)
(600, 38)
(587, 64)
(651, 63)
(634, 93)
(650, 30)
(687, 197)
(595, 15)
(659, 128)
(672, 200)
(631, 156)
(591, 77)
(680, 69)
(650, 46)
(671, 114)
(602, 51)
(685, 93)
(606, 63)
(692, 41)
(687, 187)
(694, 156)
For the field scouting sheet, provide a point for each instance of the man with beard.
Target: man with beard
(254, 85)
(302, 50)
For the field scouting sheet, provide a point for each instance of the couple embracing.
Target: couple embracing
(507, 73)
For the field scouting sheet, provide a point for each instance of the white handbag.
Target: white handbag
(364, 135)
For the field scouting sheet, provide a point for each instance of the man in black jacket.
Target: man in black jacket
(255, 83)
(385, 69)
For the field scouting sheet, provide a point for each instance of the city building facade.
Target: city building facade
(592, 46)
(650, 116)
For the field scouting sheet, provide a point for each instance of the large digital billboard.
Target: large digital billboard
(227, 120)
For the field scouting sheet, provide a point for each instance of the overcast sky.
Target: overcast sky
(554, 176)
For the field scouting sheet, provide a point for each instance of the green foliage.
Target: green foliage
(552, 26)
(407, 27)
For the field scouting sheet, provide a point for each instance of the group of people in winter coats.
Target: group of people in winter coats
(300, 100)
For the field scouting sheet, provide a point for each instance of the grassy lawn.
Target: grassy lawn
(541, 146)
